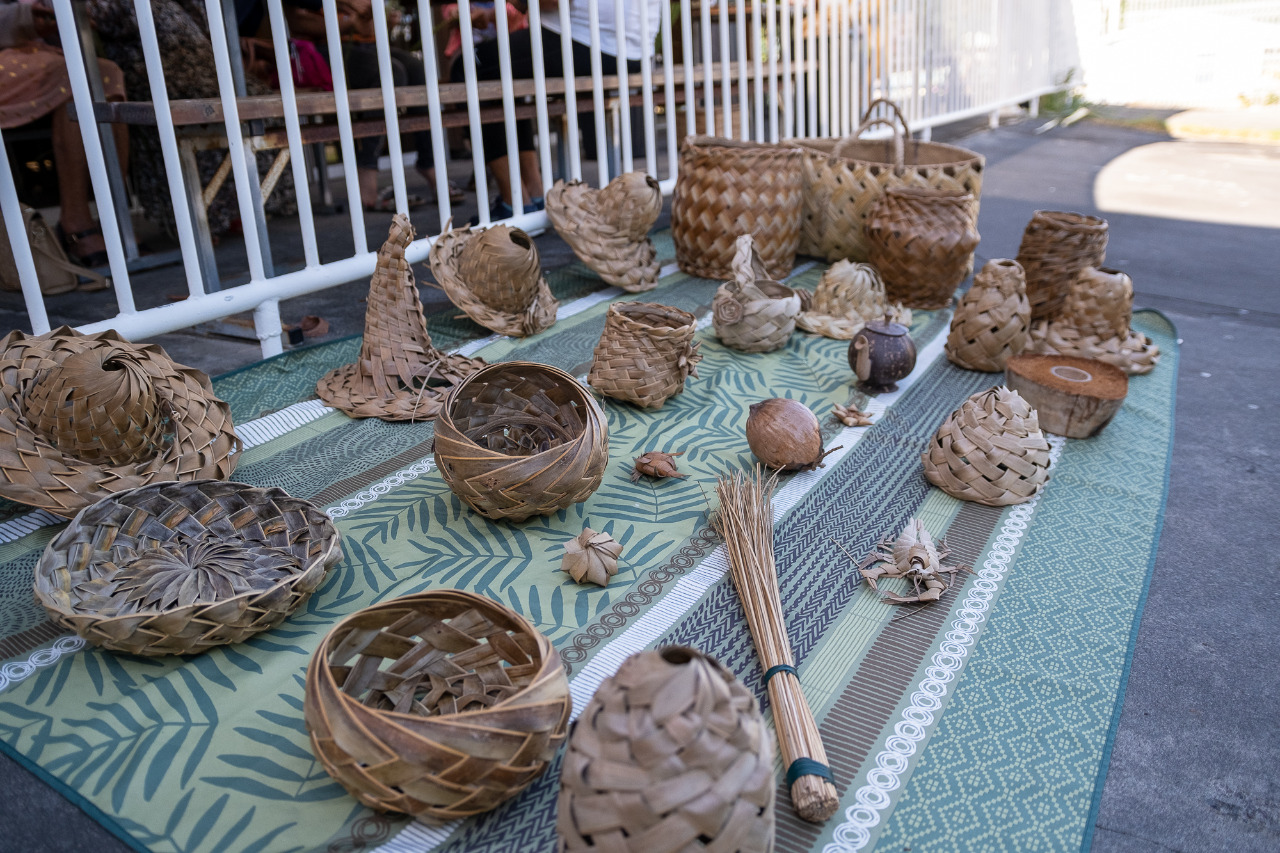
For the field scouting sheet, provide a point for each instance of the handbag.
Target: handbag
(54, 270)
(310, 71)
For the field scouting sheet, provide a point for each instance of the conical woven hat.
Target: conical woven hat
(608, 228)
(495, 276)
(849, 295)
(85, 416)
(399, 376)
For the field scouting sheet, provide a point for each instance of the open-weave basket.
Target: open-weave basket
(1094, 323)
(921, 240)
(848, 297)
(441, 704)
(520, 439)
(495, 276)
(608, 228)
(992, 320)
(727, 188)
(755, 316)
(670, 756)
(178, 568)
(1055, 246)
(844, 178)
(86, 416)
(990, 450)
(645, 353)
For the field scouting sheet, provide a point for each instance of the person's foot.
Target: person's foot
(85, 247)
(455, 192)
(386, 202)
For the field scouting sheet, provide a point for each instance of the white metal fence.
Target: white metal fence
(763, 70)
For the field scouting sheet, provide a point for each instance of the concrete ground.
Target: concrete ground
(1194, 221)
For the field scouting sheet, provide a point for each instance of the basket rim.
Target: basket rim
(628, 310)
(1072, 219)
(824, 147)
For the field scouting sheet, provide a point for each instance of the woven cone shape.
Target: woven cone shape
(441, 705)
(670, 756)
(1094, 323)
(608, 229)
(922, 240)
(848, 297)
(399, 376)
(645, 353)
(495, 276)
(178, 568)
(990, 450)
(756, 316)
(116, 401)
(1055, 246)
(521, 439)
(727, 188)
(992, 320)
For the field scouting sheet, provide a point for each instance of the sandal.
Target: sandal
(95, 258)
(386, 202)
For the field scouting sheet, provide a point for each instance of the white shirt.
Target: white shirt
(580, 24)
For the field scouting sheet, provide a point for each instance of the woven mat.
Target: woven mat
(981, 722)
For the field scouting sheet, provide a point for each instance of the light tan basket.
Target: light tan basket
(844, 178)
(921, 240)
(1094, 323)
(608, 228)
(441, 705)
(520, 439)
(645, 353)
(848, 297)
(670, 756)
(1055, 246)
(727, 188)
(756, 316)
(990, 450)
(991, 322)
(495, 276)
(1134, 353)
(178, 568)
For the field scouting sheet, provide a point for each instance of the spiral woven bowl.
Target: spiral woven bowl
(521, 439)
(220, 561)
(440, 705)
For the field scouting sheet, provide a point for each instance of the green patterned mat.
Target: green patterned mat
(977, 723)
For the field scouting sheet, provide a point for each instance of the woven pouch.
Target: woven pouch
(645, 353)
(756, 316)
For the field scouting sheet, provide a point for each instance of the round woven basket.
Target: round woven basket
(608, 228)
(921, 240)
(727, 188)
(992, 320)
(670, 756)
(755, 316)
(645, 353)
(990, 450)
(440, 705)
(178, 568)
(1055, 246)
(520, 439)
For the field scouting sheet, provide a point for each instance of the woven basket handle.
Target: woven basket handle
(897, 123)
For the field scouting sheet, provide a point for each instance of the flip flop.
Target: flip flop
(386, 202)
(93, 259)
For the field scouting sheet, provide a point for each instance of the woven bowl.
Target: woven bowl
(521, 439)
(178, 568)
(440, 705)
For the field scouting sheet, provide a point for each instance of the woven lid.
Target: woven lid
(608, 228)
(495, 276)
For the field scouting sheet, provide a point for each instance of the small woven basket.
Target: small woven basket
(1055, 246)
(178, 568)
(992, 320)
(608, 228)
(520, 439)
(1094, 323)
(645, 353)
(727, 188)
(848, 297)
(670, 756)
(921, 240)
(440, 705)
(756, 316)
(990, 450)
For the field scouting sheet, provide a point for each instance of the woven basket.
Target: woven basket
(86, 416)
(848, 297)
(1132, 352)
(645, 353)
(608, 228)
(1094, 323)
(992, 320)
(758, 316)
(990, 451)
(495, 276)
(1055, 246)
(670, 756)
(843, 178)
(399, 375)
(727, 188)
(440, 705)
(178, 568)
(921, 240)
(521, 439)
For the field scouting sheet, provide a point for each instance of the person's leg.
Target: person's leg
(73, 186)
(361, 61)
(494, 135)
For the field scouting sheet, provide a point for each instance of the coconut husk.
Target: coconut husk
(495, 276)
(849, 296)
(608, 228)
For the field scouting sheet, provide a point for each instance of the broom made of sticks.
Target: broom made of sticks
(746, 524)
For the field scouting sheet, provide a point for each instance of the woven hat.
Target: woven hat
(608, 228)
(495, 276)
(1094, 323)
(85, 416)
(399, 376)
(849, 295)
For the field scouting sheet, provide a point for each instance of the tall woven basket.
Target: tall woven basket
(993, 318)
(520, 439)
(727, 188)
(645, 353)
(441, 705)
(921, 240)
(1056, 245)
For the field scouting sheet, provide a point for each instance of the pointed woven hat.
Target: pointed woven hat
(399, 376)
(86, 416)
(608, 228)
(495, 276)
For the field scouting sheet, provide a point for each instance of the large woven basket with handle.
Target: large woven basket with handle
(441, 704)
(645, 353)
